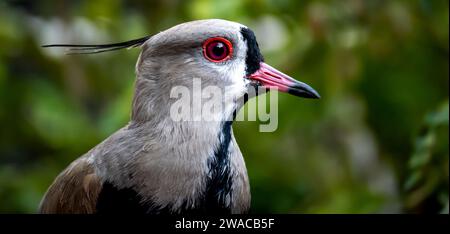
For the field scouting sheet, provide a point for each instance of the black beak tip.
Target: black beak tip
(311, 93)
(305, 93)
(315, 95)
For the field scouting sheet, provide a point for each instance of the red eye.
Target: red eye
(217, 49)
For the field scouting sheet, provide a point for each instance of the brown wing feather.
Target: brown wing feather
(74, 191)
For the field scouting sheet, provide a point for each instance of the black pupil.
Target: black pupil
(218, 49)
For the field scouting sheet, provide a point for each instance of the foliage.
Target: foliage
(427, 185)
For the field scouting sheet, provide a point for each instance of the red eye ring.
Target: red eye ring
(217, 49)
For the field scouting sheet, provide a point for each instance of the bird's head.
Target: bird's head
(219, 53)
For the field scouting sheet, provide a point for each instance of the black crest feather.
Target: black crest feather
(94, 49)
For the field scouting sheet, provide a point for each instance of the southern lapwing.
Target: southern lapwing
(156, 165)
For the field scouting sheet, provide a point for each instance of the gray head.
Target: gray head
(218, 53)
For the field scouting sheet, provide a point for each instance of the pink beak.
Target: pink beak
(273, 79)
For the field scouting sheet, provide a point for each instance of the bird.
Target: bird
(155, 165)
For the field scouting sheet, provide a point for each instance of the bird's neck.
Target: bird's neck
(196, 165)
(189, 102)
(197, 161)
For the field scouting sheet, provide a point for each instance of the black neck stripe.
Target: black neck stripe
(254, 56)
(218, 187)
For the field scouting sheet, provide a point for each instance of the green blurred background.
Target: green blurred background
(377, 141)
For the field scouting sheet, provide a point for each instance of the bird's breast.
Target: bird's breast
(165, 181)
